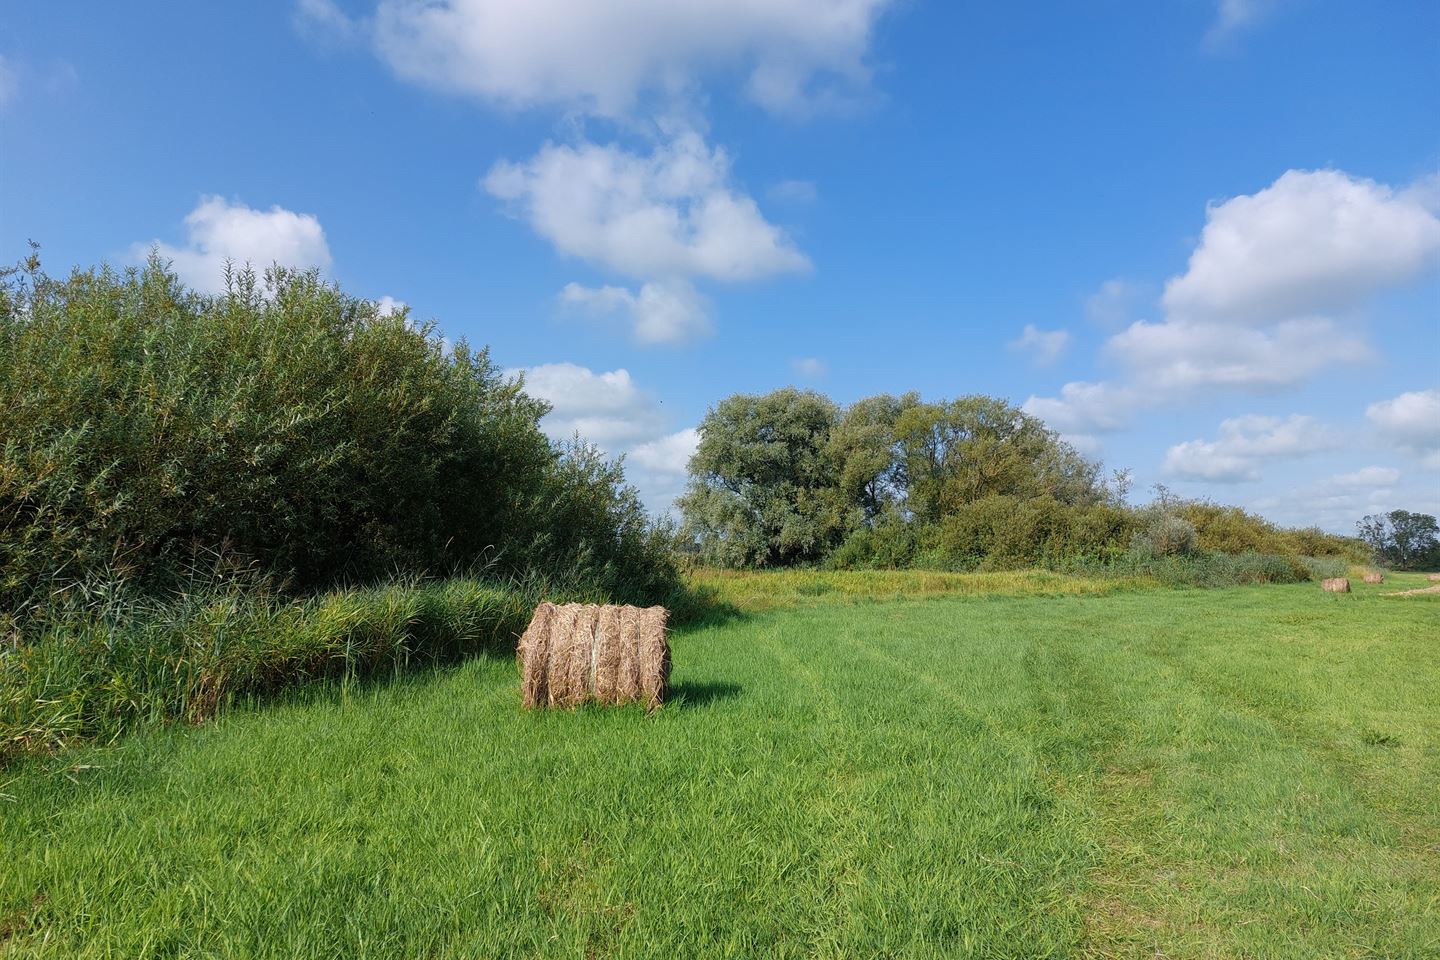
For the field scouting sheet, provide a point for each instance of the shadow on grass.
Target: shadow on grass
(699, 693)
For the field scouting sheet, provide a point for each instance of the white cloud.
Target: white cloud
(1264, 301)
(1366, 478)
(9, 83)
(388, 306)
(219, 230)
(603, 58)
(1245, 445)
(1177, 356)
(1085, 408)
(607, 409)
(670, 214)
(668, 455)
(1312, 243)
(1044, 346)
(610, 410)
(667, 311)
(1410, 421)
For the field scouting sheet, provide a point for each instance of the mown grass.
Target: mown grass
(760, 590)
(1229, 773)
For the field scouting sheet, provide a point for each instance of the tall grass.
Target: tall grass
(93, 672)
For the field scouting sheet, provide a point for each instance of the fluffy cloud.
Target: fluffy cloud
(1410, 421)
(668, 311)
(220, 231)
(611, 411)
(1366, 478)
(1312, 243)
(1178, 356)
(1245, 445)
(602, 58)
(1085, 408)
(607, 409)
(1260, 305)
(669, 455)
(672, 213)
(1044, 346)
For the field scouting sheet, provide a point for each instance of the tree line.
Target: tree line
(791, 477)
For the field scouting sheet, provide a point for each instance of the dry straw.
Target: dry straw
(578, 653)
(1374, 576)
(1335, 585)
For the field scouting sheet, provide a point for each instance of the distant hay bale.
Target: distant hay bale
(1433, 577)
(578, 653)
(1335, 585)
(1374, 576)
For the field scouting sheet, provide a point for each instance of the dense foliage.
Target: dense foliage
(286, 425)
(790, 478)
(1402, 539)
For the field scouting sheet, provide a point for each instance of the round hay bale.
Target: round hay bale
(1433, 577)
(534, 655)
(1335, 585)
(1374, 576)
(586, 653)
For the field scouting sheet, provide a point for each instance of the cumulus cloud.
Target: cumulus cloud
(1267, 298)
(610, 410)
(605, 58)
(607, 409)
(667, 311)
(1086, 408)
(1245, 445)
(1312, 243)
(1410, 421)
(1178, 356)
(388, 306)
(219, 231)
(670, 213)
(1366, 478)
(1044, 346)
(668, 455)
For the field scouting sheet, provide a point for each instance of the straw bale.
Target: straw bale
(580, 653)
(1374, 576)
(1335, 585)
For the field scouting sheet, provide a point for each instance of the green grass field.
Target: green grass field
(1249, 772)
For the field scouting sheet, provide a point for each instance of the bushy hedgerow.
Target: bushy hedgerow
(284, 424)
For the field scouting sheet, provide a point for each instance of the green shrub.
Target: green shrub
(888, 544)
(284, 423)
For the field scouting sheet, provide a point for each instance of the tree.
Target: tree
(1401, 539)
(764, 490)
(866, 452)
(959, 451)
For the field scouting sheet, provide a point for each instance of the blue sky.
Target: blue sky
(1201, 238)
